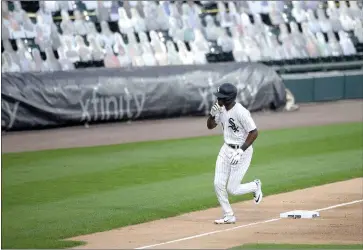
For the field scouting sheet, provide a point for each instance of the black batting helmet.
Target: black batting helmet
(227, 92)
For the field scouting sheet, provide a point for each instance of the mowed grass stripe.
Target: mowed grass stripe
(171, 183)
(181, 160)
(66, 162)
(153, 196)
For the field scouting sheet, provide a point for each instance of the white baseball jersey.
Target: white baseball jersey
(236, 124)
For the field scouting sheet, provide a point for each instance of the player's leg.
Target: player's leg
(222, 173)
(237, 173)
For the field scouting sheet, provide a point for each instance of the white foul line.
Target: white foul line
(339, 205)
(213, 232)
(242, 226)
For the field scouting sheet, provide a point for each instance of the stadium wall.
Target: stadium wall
(330, 86)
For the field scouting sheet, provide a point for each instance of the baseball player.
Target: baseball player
(233, 161)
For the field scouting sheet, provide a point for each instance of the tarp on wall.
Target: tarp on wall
(39, 100)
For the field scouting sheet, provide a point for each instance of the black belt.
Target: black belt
(234, 146)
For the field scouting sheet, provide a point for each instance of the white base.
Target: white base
(300, 214)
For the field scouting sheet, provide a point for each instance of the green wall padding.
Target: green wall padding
(353, 86)
(325, 86)
(329, 88)
(303, 89)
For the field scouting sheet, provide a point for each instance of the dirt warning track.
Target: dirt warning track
(117, 133)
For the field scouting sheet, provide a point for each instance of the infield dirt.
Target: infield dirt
(341, 225)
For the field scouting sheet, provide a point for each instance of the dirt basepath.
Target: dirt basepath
(340, 225)
(116, 133)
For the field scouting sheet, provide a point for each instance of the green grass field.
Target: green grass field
(51, 195)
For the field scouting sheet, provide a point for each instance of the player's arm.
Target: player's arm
(252, 136)
(211, 122)
(249, 125)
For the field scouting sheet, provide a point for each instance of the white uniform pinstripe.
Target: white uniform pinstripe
(236, 124)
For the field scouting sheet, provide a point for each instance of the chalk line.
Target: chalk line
(241, 226)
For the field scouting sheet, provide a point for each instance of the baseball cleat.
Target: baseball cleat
(258, 194)
(226, 220)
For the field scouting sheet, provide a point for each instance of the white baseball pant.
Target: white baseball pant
(228, 177)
